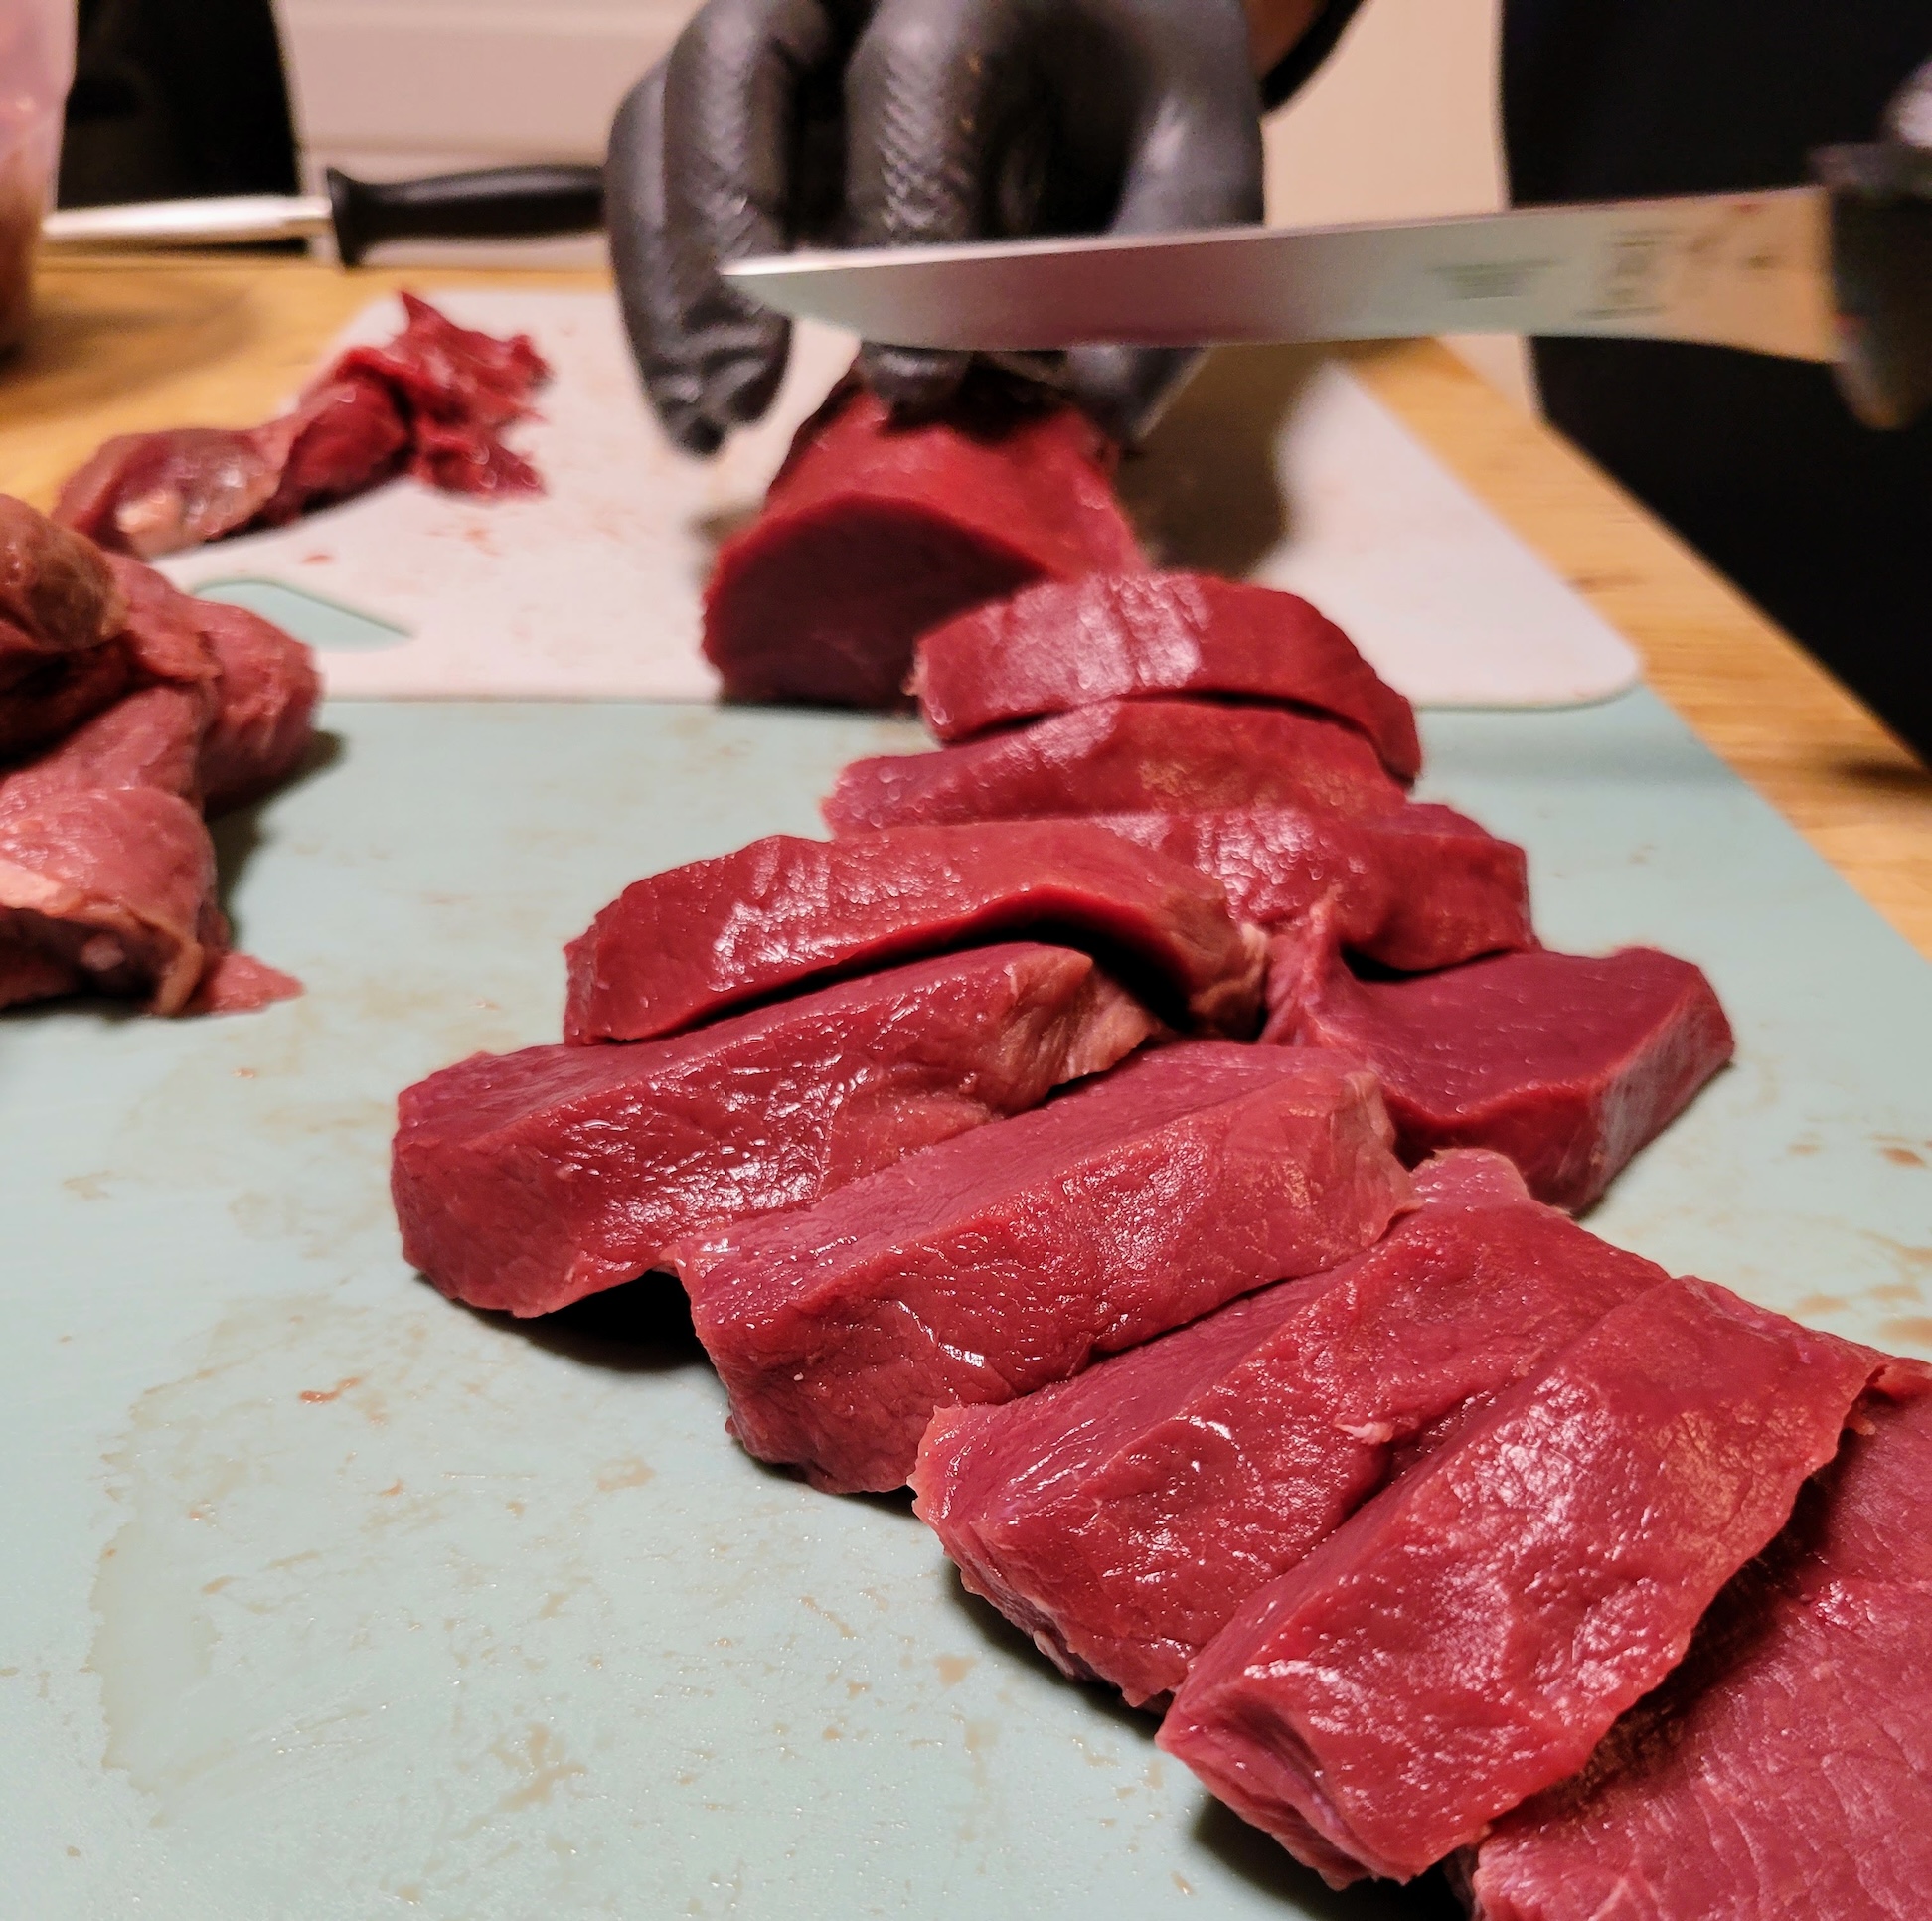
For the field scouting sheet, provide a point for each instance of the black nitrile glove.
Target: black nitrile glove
(886, 123)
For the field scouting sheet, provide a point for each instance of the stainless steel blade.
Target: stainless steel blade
(190, 223)
(1746, 270)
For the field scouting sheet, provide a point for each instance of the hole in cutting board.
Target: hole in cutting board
(326, 625)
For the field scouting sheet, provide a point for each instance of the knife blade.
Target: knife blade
(491, 203)
(1749, 271)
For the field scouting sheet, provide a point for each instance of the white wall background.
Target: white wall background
(1401, 122)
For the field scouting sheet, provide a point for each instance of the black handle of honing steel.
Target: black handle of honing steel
(492, 204)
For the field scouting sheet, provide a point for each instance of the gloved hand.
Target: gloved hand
(885, 122)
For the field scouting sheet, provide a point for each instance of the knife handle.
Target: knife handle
(1882, 259)
(492, 204)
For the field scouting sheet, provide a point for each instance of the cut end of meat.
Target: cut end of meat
(876, 530)
(1061, 645)
(1566, 1063)
(1465, 1639)
(57, 598)
(684, 946)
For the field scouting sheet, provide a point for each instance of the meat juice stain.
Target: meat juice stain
(1910, 1330)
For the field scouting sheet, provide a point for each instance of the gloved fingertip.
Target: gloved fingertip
(1125, 389)
(915, 381)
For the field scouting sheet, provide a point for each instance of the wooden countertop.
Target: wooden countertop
(118, 346)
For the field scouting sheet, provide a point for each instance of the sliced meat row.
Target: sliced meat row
(1467, 1639)
(527, 1181)
(986, 1267)
(1785, 1768)
(1122, 1518)
(686, 945)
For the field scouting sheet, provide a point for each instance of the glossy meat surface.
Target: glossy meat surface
(1422, 887)
(876, 530)
(1061, 645)
(1118, 757)
(1465, 1639)
(433, 400)
(57, 596)
(992, 1265)
(1122, 1516)
(106, 872)
(689, 944)
(527, 1181)
(1567, 1063)
(1785, 1769)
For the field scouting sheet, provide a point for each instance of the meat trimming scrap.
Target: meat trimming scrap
(695, 941)
(1123, 756)
(433, 402)
(1785, 1769)
(991, 1265)
(1122, 1516)
(1466, 1639)
(1067, 644)
(876, 529)
(527, 1181)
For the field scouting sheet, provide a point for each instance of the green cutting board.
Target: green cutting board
(323, 1596)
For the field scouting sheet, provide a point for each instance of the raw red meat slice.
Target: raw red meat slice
(257, 685)
(1419, 889)
(1466, 1640)
(264, 706)
(686, 945)
(876, 530)
(57, 596)
(106, 891)
(1569, 1064)
(163, 633)
(47, 702)
(150, 494)
(527, 1181)
(152, 739)
(235, 983)
(1064, 643)
(1122, 756)
(435, 399)
(991, 1265)
(1785, 1769)
(1122, 1516)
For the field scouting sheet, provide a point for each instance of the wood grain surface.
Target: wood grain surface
(118, 346)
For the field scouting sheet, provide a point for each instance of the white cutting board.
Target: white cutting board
(591, 589)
